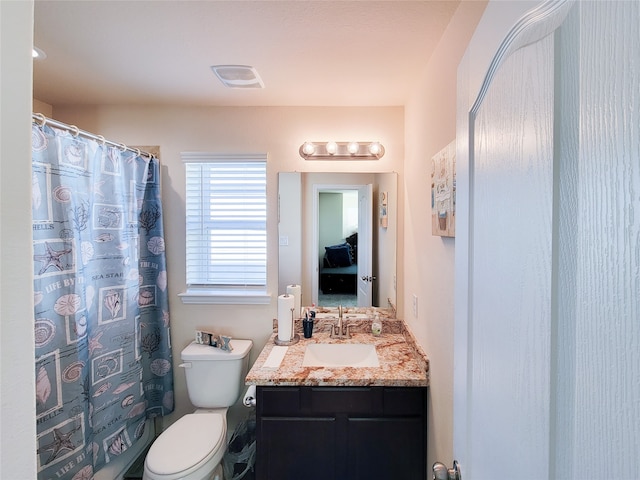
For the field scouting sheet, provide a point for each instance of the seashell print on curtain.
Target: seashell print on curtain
(103, 357)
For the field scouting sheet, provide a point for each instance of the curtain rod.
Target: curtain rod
(75, 131)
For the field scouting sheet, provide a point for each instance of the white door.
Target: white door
(365, 237)
(547, 349)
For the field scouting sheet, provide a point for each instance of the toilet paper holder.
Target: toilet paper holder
(249, 399)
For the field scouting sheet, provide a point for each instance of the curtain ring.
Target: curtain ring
(42, 118)
(102, 140)
(138, 152)
(75, 130)
(122, 147)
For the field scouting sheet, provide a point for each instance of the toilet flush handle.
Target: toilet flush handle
(185, 365)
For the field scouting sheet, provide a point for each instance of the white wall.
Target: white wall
(43, 108)
(430, 124)
(17, 410)
(331, 217)
(387, 239)
(277, 130)
(290, 228)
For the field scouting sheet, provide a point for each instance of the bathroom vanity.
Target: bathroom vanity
(334, 420)
(341, 432)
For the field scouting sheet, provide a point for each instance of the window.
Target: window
(226, 226)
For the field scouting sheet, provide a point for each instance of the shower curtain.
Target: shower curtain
(102, 346)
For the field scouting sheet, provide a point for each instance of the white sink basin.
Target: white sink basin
(340, 355)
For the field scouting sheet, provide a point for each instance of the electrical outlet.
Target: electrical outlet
(415, 305)
(284, 241)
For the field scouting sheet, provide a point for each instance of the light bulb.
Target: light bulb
(374, 148)
(308, 148)
(353, 148)
(332, 148)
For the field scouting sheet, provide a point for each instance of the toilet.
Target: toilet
(192, 448)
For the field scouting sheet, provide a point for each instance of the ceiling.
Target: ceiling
(308, 53)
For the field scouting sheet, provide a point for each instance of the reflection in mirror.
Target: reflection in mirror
(339, 261)
(333, 239)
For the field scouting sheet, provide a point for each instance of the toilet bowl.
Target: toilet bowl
(190, 449)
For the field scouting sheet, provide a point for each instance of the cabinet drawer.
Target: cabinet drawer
(282, 401)
(296, 401)
(404, 401)
(365, 400)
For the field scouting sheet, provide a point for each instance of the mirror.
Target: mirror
(315, 213)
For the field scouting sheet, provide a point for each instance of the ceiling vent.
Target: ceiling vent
(238, 76)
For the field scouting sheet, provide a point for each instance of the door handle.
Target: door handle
(441, 472)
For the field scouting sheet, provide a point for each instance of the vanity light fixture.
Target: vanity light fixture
(341, 150)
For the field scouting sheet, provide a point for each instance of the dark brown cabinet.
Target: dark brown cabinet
(335, 433)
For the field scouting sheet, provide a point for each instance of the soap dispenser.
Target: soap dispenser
(376, 325)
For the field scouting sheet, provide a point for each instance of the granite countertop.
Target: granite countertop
(402, 362)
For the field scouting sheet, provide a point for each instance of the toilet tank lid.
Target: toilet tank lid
(194, 351)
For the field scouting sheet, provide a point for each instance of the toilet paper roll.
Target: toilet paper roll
(286, 303)
(249, 399)
(296, 291)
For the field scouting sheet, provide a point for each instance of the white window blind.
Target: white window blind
(226, 215)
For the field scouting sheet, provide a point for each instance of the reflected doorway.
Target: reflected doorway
(342, 245)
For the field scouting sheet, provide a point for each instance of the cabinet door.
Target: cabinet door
(296, 448)
(386, 448)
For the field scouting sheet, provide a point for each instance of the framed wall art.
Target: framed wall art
(443, 192)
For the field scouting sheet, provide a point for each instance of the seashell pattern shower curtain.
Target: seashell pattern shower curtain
(102, 346)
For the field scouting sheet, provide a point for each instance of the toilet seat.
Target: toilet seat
(196, 441)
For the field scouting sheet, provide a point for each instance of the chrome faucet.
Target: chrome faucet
(339, 330)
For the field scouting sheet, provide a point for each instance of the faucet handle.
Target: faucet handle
(346, 333)
(347, 330)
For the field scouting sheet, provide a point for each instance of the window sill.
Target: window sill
(225, 297)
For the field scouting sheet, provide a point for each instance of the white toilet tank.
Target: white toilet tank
(215, 378)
